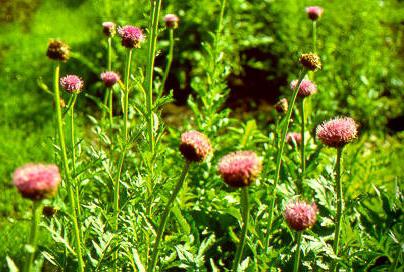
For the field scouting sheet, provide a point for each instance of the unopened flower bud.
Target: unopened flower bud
(58, 50)
(37, 181)
(282, 106)
(195, 146)
(240, 169)
(310, 61)
(294, 138)
(300, 215)
(109, 78)
(171, 20)
(337, 132)
(314, 12)
(109, 29)
(306, 87)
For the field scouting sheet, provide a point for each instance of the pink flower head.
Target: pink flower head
(109, 78)
(240, 168)
(337, 132)
(306, 87)
(314, 12)
(37, 181)
(171, 20)
(294, 138)
(72, 83)
(109, 29)
(131, 36)
(195, 146)
(300, 215)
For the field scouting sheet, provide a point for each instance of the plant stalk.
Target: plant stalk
(245, 212)
(169, 61)
(280, 152)
(165, 215)
(314, 37)
(36, 217)
(66, 167)
(302, 149)
(296, 263)
(338, 218)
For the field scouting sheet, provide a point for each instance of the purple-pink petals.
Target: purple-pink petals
(37, 181)
(109, 78)
(72, 83)
(195, 146)
(337, 132)
(306, 88)
(300, 215)
(294, 138)
(314, 12)
(240, 168)
(131, 36)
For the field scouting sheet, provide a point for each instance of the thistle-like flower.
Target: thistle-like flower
(131, 36)
(294, 137)
(311, 61)
(300, 216)
(58, 50)
(337, 132)
(314, 12)
(171, 21)
(109, 78)
(109, 29)
(306, 87)
(240, 168)
(282, 106)
(37, 181)
(195, 146)
(72, 83)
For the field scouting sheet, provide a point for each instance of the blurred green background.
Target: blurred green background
(360, 43)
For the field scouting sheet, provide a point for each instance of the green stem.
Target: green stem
(169, 61)
(314, 36)
(126, 98)
(165, 215)
(66, 167)
(302, 148)
(36, 217)
(279, 154)
(108, 92)
(73, 147)
(338, 218)
(244, 208)
(297, 253)
(153, 26)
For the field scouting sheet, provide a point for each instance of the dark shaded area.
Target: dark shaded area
(396, 124)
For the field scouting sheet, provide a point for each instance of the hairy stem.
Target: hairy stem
(279, 154)
(245, 212)
(36, 217)
(165, 215)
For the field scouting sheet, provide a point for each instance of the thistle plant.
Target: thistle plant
(300, 216)
(310, 62)
(36, 182)
(59, 51)
(314, 13)
(337, 133)
(195, 147)
(239, 170)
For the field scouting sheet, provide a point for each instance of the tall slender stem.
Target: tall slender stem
(73, 149)
(279, 154)
(66, 167)
(169, 60)
(314, 37)
(36, 217)
(296, 263)
(108, 93)
(338, 218)
(153, 26)
(126, 98)
(302, 148)
(165, 215)
(245, 212)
